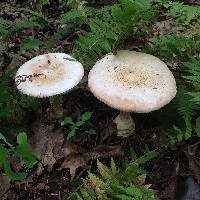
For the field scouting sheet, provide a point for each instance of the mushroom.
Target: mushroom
(49, 75)
(131, 82)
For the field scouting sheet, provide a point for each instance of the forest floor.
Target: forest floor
(174, 173)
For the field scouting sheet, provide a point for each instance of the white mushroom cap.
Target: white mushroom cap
(49, 75)
(132, 81)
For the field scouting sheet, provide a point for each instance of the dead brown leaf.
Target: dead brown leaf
(50, 147)
(47, 144)
(74, 161)
(76, 156)
(142, 179)
(105, 151)
(4, 186)
(72, 148)
(165, 27)
(7, 8)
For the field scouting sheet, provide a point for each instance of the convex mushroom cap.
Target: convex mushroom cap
(132, 82)
(48, 75)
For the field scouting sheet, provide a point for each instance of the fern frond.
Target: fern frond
(77, 15)
(109, 26)
(184, 14)
(4, 22)
(193, 30)
(30, 44)
(24, 25)
(59, 35)
(7, 27)
(118, 185)
(104, 171)
(185, 106)
(193, 70)
(175, 48)
(187, 101)
(4, 26)
(39, 15)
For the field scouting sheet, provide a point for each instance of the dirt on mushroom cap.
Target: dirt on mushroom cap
(51, 71)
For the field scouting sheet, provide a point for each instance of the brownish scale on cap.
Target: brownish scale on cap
(51, 71)
(125, 76)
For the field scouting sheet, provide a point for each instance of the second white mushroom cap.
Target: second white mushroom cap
(48, 75)
(132, 81)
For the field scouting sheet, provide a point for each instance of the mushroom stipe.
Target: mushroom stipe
(49, 75)
(131, 82)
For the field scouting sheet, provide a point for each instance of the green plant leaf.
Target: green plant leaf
(34, 13)
(71, 134)
(188, 130)
(30, 44)
(113, 166)
(22, 138)
(4, 162)
(79, 123)
(133, 153)
(172, 140)
(68, 121)
(23, 151)
(148, 156)
(86, 116)
(134, 191)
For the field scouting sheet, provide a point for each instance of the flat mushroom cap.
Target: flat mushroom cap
(49, 74)
(132, 81)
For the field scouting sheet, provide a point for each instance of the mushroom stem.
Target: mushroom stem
(125, 124)
(56, 105)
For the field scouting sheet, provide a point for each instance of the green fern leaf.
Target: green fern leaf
(4, 26)
(175, 48)
(24, 25)
(109, 26)
(30, 44)
(184, 13)
(193, 70)
(39, 15)
(184, 104)
(104, 171)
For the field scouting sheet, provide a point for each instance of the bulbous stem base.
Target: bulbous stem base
(125, 124)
